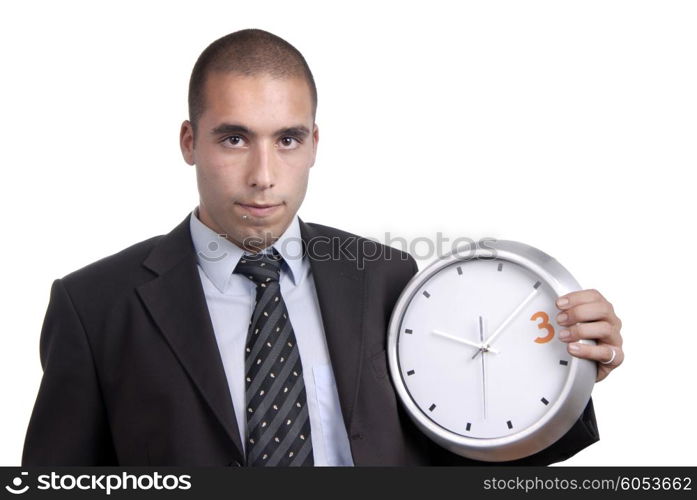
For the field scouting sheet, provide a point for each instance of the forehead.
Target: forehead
(257, 99)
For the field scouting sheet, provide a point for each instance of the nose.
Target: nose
(261, 168)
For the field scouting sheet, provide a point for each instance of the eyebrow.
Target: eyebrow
(234, 128)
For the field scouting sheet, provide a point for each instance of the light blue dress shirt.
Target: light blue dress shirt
(230, 299)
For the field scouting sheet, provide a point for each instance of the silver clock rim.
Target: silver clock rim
(563, 413)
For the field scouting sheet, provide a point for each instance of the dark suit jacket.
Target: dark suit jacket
(133, 375)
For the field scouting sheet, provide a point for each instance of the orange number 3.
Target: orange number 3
(544, 325)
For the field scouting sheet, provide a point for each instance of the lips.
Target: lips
(259, 209)
(257, 205)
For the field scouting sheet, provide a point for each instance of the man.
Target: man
(263, 346)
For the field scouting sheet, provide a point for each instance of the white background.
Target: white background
(570, 126)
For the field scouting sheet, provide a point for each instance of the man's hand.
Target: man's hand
(586, 314)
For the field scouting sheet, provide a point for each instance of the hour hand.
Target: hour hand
(463, 341)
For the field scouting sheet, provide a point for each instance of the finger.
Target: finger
(591, 311)
(599, 353)
(578, 297)
(597, 330)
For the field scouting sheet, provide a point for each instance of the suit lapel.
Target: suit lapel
(177, 303)
(340, 292)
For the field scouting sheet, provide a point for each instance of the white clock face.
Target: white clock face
(483, 393)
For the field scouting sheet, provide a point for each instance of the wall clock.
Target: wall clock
(474, 355)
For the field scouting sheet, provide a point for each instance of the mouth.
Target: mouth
(259, 209)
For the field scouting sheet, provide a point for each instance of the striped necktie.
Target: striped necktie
(278, 423)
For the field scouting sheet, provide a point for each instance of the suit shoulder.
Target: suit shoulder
(370, 250)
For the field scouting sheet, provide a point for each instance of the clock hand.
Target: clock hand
(481, 338)
(458, 339)
(481, 330)
(503, 325)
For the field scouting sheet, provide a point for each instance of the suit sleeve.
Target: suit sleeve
(68, 425)
(583, 433)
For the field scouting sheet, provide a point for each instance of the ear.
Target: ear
(186, 141)
(315, 140)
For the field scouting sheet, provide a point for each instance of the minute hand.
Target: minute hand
(458, 339)
(503, 325)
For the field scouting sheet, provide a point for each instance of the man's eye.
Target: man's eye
(289, 142)
(233, 140)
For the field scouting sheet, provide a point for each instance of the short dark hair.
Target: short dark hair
(248, 52)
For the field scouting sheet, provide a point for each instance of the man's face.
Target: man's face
(255, 143)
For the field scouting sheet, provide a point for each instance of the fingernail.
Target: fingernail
(574, 347)
(564, 334)
(562, 302)
(562, 317)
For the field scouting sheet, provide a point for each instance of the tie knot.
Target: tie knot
(261, 268)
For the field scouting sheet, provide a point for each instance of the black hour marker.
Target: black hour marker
(563, 362)
(410, 372)
(469, 425)
(509, 424)
(537, 284)
(432, 407)
(459, 270)
(427, 294)
(544, 401)
(408, 331)
(500, 265)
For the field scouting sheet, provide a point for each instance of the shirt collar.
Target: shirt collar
(218, 256)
